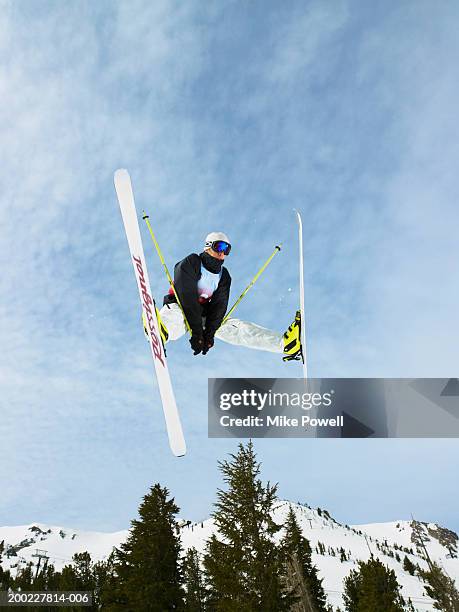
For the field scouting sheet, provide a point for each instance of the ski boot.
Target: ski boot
(292, 340)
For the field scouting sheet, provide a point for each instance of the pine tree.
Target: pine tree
(47, 579)
(301, 574)
(440, 588)
(148, 570)
(83, 571)
(352, 589)
(409, 566)
(68, 579)
(79, 575)
(24, 579)
(243, 564)
(409, 606)
(374, 587)
(105, 583)
(5, 576)
(195, 597)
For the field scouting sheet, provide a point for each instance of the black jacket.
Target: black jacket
(186, 275)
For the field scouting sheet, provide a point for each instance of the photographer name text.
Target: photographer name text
(281, 421)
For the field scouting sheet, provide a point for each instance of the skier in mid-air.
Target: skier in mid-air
(202, 285)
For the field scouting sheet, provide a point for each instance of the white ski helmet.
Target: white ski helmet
(214, 237)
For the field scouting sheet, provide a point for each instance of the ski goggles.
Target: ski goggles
(220, 246)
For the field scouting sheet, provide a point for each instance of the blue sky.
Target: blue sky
(228, 115)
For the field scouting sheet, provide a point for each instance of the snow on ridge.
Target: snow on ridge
(439, 541)
(59, 543)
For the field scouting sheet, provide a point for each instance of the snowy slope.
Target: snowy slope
(384, 540)
(60, 544)
(320, 527)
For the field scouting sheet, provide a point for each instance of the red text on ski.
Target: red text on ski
(148, 306)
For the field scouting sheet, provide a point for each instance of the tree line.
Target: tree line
(249, 564)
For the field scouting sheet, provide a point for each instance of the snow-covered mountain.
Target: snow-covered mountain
(336, 547)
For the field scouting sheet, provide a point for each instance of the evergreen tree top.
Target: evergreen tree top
(243, 564)
(245, 507)
(373, 587)
(148, 568)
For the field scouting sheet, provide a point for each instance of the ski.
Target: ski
(301, 286)
(128, 212)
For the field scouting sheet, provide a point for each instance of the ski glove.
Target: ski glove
(197, 343)
(208, 344)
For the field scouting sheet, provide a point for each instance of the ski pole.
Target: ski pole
(146, 218)
(251, 284)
